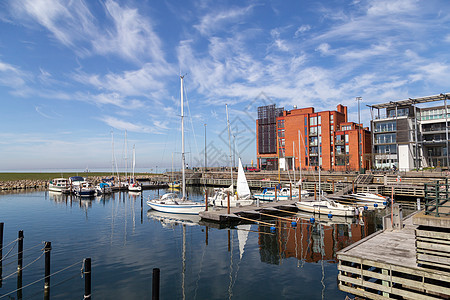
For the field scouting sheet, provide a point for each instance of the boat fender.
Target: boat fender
(294, 224)
(366, 207)
(272, 229)
(375, 205)
(384, 203)
(330, 215)
(312, 220)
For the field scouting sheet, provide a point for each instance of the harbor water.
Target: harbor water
(197, 260)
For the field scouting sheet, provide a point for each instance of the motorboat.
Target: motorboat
(268, 194)
(327, 206)
(60, 185)
(103, 188)
(81, 187)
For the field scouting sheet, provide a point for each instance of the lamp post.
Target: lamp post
(359, 135)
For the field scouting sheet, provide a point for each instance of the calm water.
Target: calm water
(197, 260)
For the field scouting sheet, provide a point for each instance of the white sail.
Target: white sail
(243, 191)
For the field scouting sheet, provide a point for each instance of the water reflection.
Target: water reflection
(314, 241)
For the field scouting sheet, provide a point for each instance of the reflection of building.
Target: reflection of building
(396, 142)
(324, 138)
(312, 242)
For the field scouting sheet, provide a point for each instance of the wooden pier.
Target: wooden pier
(393, 262)
(221, 214)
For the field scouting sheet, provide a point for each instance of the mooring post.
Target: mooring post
(228, 202)
(229, 241)
(353, 186)
(333, 186)
(19, 284)
(315, 191)
(392, 208)
(206, 199)
(47, 249)
(418, 203)
(87, 278)
(155, 284)
(206, 235)
(1, 251)
(276, 198)
(20, 251)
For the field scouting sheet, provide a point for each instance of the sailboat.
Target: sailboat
(242, 196)
(170, 202)
(134, 186)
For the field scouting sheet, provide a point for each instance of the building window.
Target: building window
(280, 123)
(280, 133)
(346, 138)
(313, 130)
(347, 149)
(313, 121)
(320, 129)
(332, 127)
(385, 126)
(320, 120)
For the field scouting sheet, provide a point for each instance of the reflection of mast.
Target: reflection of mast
(322, 250)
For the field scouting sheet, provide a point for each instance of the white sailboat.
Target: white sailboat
(242, 196)
(170, 202)
(134, 186)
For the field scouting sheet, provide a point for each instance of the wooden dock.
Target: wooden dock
(386, 264)
(221, 214)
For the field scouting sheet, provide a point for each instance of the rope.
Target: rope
(9, 251)
(24, 267)
(36, 281)
(277, 217)
(22, 251)
(10, 243)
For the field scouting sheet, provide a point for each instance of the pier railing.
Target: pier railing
(437, 198)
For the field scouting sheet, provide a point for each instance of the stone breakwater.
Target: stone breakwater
(23, 184)
(43, 184)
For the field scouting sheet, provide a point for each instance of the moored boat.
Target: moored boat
(327, 206)
(60, 185)
(81, 188)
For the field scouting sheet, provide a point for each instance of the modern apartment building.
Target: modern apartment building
(308, 139)
(408, 137)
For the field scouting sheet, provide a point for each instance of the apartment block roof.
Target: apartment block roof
(411, 101)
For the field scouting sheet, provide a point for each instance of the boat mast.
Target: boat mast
(182, 141)
(293, 161)
(134, 161)
(126, 157)
(299, 158)
(229, 145)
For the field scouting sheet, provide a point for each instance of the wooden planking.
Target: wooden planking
(396, 279)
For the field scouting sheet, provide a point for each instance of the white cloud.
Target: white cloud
(324, 49)
(132, 36)
(124, 125)
(389, 7)
(220, 19)
(302, 29)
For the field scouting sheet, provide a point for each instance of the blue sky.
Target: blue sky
(73, 71)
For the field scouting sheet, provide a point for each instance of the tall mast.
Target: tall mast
(293, 161)
(126, 157)
(182, 141)
(299, 157)
(134, 160)
(229, 144)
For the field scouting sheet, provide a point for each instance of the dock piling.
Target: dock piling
(47, 249)
(155, 284)
(20, 251)
(87, 278)
(1, 251)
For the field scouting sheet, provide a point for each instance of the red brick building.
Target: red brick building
(324, 138)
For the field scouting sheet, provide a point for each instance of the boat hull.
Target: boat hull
(176, 208)
(318, 207)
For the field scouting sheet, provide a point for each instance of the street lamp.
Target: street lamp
(359, 135)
